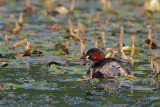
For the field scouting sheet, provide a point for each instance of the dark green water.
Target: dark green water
(28, 81)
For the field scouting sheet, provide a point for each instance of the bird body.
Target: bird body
(104, 67)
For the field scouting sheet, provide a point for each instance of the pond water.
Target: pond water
(54, 78)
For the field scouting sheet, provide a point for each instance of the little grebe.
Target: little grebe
(104, 67)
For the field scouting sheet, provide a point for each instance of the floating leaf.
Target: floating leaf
(3, 64)
(19, 43)
(54, 27)
(154, 98)
(121, 78)
(128, 49)
(61, 9)
(152, 5)
(131, 77)
(13, 85)
(142, 88)
(84, 77)
(95, 80)
(59, 52)
(37, 52)
(53, 65)
(36, 85)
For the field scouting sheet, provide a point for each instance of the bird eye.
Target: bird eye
(87, 57)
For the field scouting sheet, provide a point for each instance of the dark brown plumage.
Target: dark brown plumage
(104, 67)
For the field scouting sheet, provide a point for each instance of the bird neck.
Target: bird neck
(97, 56)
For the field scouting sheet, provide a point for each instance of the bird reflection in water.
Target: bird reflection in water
(104, 88)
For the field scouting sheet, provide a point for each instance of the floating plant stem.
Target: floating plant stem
(150, 44)
(121, 43)
(80, 26)
(116, 4)
(67, 47)
(76, 35)
(103, 3)
(49, 4)
(82, 45)
(27, 49)
(6, 38)
(75, 38)
(90, 18)
(130, 24)
(82, 48)
(29, 9)
(20, 18)
(72, 33)
(150, 34)
(121, 40)
(156, 55)
(72, 5)
(132, 50)
(91, 73)
(16, 63)
(111, 54)
(28, 3)
(98, 18)
(133, 45)
(70, 25)
(108, 4)
(96, 43)
(16, 28)
(104, 40)
(151, 62)
(19, 43)
(150, 39)
(156, 67)
(7, 22)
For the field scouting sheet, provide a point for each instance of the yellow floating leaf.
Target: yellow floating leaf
(131, 77)
(61, 9)
(59, 52)
(128, 49)
(152, 5)
(84, 77)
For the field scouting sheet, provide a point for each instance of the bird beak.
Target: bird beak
(85, 57)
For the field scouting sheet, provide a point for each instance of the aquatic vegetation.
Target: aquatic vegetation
(41, 42)
(152, 5)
